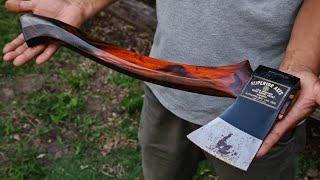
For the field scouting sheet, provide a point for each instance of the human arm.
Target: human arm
(73, 12)
(302, 59)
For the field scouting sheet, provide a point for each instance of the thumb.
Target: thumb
(19, 6)
(316, 91)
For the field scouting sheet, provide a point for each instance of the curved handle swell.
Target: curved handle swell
(227, 81)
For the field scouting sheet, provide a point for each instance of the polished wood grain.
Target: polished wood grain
(227, 81)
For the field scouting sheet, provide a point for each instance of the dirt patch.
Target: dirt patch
(28, 83)
(116, 142)
(113, 30)
(6, 95)
(94, 105)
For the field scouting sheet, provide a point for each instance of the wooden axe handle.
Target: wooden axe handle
(227, 81)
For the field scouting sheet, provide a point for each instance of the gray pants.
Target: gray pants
(168, 154)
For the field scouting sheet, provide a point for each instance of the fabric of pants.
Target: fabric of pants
(168, 154)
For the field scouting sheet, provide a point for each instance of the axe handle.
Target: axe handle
(226, 81)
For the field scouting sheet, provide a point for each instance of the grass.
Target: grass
(54, 107)
(133, 100)
(120, 164)
(305, 163)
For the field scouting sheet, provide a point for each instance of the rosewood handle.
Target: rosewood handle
(227, 81)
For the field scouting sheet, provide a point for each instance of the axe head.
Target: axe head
(236, 135)
(227, 143)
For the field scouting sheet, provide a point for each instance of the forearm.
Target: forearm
(91, 7)
(303, 50)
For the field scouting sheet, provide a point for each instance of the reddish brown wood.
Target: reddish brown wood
(225, 81)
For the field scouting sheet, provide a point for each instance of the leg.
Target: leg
(166, 151)
(279, 164)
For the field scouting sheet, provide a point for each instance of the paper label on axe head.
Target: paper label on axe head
(237, 134)
(266, 92)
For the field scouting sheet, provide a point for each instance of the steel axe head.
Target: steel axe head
(227, 143)
(237, 134)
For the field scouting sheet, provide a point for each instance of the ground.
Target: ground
(74, 119)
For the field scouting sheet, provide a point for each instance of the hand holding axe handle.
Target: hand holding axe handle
(237, 134)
